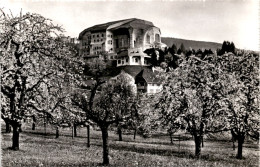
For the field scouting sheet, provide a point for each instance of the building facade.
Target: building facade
(124, 41)
(147, 82)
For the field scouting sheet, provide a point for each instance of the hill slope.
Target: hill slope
(191, 43)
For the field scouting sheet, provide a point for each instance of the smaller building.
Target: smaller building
(147, 81)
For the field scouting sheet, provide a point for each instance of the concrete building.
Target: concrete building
(124, 41)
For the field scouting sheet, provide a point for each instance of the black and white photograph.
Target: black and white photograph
(126, 83)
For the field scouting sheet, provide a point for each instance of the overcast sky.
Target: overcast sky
(205, 20)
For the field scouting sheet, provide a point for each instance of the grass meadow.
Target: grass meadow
(40, 149)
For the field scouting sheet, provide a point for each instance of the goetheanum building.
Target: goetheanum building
(124, 41)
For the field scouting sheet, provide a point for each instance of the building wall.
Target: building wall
(137, 38)
(84, 44)
(109, 46)
(135, 57)
(98, 40)
(121, 42)
(150, 37)
(153, 88)
(123, 61)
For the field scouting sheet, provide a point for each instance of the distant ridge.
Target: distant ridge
(191, 43)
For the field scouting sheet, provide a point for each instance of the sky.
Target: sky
(202, 20)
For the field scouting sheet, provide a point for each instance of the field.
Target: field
(40, 149)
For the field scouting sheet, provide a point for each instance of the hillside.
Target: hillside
(191, 43)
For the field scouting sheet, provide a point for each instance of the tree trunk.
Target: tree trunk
(88, 144)
(57, 132)
(197, 140)
(15, 137)
(33, 126)
(7, 127)
(104, 130)
(45, 125)
(75, 130)
(240, 141)
(171, 138)
(202, 141)
(135, 133)
(119, 131)
(72, 131)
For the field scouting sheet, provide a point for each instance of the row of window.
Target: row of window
(134, 59)
(154, 90)
(112, 57)
(97, 52)
(97, 47)
(98, 40)
(148, 38)
(123, 62)
(153, 84)
(102, 35)
(109, 42)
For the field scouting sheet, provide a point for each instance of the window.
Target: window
(151, 90)
(97, 40)
(126, 60)
(111, 57)
(94, 40)
(123, 43)
(93, 36)
(102, 35)
(111, 36)
(119, 61)
(147, 38)
(97, 35)
(117, 44)
(123, 62)
(101, 40)
(157, 38)
(120, 44)
(136, 60)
